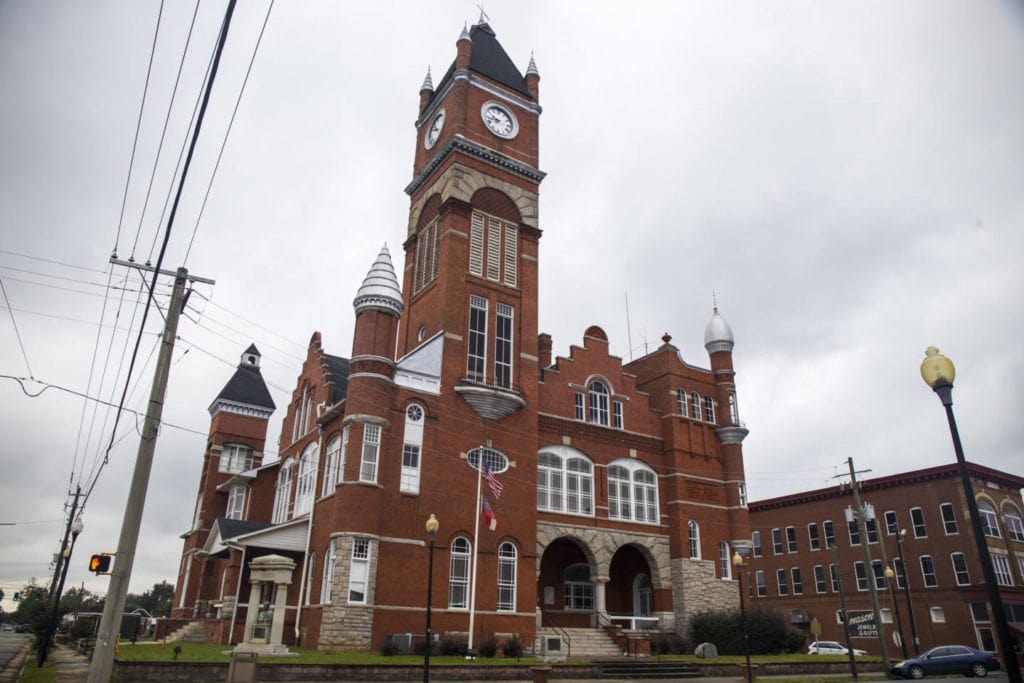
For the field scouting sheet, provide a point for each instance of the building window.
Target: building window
(948, 519)
(476, 360)
(917, 517)
(819, 579)
(989, 519)
(458, 575)
(854, 530)
(963, 577)
(617, 414)
(681, 402)
(901, 573)
(579, 590)
(236, 503)
(742, 491)
(311, 568)
(371, 448)
(709, 409)
(507, 577)
(235, 458)
(780, 577)
(412, 447)
(878, 568)
(282, 492)
(892, 527)
(791, 539)
(693, 531)
(762, 588)
(777, 541)
(302, 415)
(798, 585)
(862, 576)
(872, 528)
(328, 580)
(580, 406)
(812, 536)
(1014, 527)
(1001, 566)
(1020, 573)
(428, 247)
(306, 482)
(331, 459)
(886, 615)
(830, 534)
(724, 560)
(928, 571)
(344, 453)
(598, 395)
(565, 483)
(632, 492)
(755, 539)
(938, 615)
(833, 574)
(695, 403)
(360, 571)
(503, 346)
(734, 410)
(493, 248)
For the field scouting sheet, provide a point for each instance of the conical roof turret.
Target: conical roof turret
(380, 290)
(718, 334)
(246, 390)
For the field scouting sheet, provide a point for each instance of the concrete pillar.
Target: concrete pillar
(254, 608)
(280, 603)
(600, 603)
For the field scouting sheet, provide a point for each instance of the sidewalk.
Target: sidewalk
(71, 666)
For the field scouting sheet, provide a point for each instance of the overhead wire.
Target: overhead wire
(53, 261)
(14, 322)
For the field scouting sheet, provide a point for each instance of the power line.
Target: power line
(15, 323)
(46, 260)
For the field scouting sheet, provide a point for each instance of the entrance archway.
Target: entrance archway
(566, 593)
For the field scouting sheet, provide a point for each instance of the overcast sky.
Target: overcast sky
(845, 177)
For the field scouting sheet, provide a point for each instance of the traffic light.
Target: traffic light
(100, 564)
(16, 597)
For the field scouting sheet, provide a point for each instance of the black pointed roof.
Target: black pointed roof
(338, 369)
(247, 386)
(488, 58)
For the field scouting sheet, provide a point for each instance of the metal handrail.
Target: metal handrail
(559, 630)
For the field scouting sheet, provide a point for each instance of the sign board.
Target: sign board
(861, 623)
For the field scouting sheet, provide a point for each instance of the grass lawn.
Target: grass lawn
(34, 674)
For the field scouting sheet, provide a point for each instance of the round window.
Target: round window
(495, 460)
(414, 413)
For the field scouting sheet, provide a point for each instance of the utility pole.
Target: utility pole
(842, 610)
(869, 569)
(64, 558)
(110, 624)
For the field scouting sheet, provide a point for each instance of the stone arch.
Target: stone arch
(600, 545)
(490, 200)
(461, 182)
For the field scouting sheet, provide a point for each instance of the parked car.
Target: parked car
(7, 627)
(948, 659)
(830, 647)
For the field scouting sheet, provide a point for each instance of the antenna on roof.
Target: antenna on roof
(714, 300)
(629, 333)
(483, 16)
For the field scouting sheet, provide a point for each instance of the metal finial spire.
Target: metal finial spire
(714, 300)
(428, 83)
(532, 68)
(483, 16)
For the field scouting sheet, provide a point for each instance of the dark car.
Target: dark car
(948, 659)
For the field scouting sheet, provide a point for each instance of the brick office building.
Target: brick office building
(622, 483)
(792, 568)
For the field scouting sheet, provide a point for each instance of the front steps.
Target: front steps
(584, 643)
(633, 669)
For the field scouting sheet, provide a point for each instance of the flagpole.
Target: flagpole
(476, 536)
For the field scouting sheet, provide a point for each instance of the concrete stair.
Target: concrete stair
(192, 632)
(585, 643)
(634, 669)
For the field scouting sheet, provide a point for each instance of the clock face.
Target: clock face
(499, 120)
(434, 131)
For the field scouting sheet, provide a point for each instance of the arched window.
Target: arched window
(681, 397)
(507, 555)
(331, 460)
(235, 457)
(1014, 527)
(412, 449)
(709, 409)
(236, 502)
(695, 405)
(693, 530)
(283, 492)
(598, 394)
(989, 519)
(725, 559)
(458, 574)
(565, 481)
(306, 482)
(328, 580)
(632, 491)
(734, 409)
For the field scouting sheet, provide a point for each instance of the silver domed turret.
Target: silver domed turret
(718, 334)
(380, 288)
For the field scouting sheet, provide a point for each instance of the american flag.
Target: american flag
(492, 481)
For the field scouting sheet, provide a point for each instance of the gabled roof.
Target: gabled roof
(247, 387)
(337, 375)
(488, 58)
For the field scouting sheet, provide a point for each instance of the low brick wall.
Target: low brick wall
(129, 672)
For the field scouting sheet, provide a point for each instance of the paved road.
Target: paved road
(14, 649)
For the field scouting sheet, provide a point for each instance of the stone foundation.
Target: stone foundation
(348, 627)
(696, 588)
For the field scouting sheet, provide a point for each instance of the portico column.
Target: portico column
(280, 604)
(599, 595)
(252, 611)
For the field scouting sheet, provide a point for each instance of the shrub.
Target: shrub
(454, 646)
(390, 649)
(512, 647)
(668, 644)
(795, 640)
(767, 630)
(489, 647)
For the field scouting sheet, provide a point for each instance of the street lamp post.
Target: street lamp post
(890, 577)
(906, 592)
(74, 529)
(432, 525)
(938, 372)
(741, 550)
